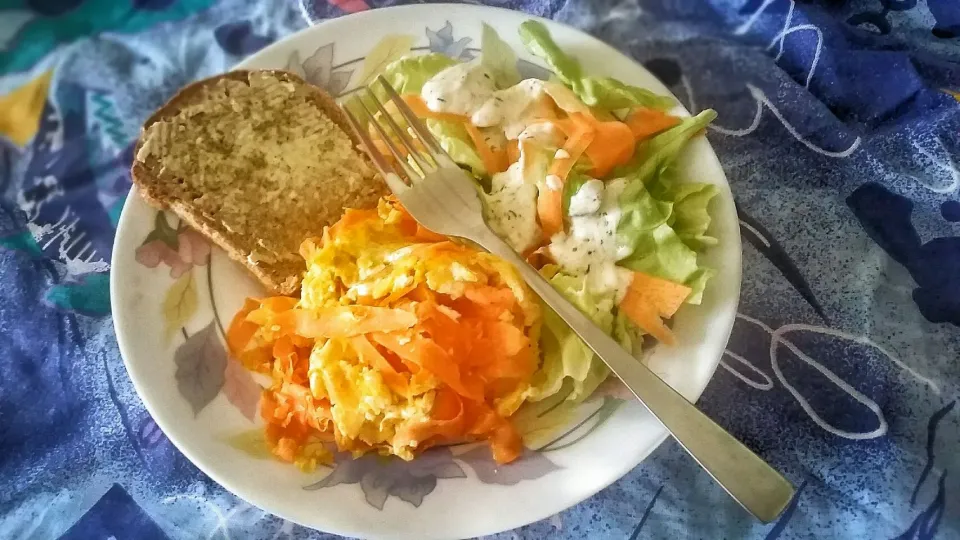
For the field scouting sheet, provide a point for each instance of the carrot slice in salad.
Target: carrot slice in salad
(645, 316)
(665, 295)
(493, 160)
(613, 144)
(550, 200)
(645, 123)
(580, 134)
(419, 108)
(649, 298)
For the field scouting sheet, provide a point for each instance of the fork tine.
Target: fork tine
(422, 132)
(390, 176)
(396, 184)
(425, 165)
(412, 174)
(378, 159)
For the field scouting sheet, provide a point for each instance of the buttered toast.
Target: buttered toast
(257, 161)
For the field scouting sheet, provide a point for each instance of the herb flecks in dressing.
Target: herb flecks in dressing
(591, 246)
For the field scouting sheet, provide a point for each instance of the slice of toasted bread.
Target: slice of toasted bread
(257, 161)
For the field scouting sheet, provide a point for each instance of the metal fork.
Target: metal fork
(444, 199)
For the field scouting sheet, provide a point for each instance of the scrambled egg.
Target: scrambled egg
(401, 340)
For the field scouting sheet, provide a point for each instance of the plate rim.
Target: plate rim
(123, 339)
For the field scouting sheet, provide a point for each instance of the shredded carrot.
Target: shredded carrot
(646, 317)
(513, 151)
(369, 354)
(351, 217)
(506, 443)
(649, 298)
(241, 332)
(419, 108)
(550, 199)
(580, 134)
(349, 321)
(428, 355)
(451, 349)
(645, 123)
(493, 160)
(613, 144)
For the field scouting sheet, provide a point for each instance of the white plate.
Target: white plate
(168, 296)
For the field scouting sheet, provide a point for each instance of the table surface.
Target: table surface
(839, 134)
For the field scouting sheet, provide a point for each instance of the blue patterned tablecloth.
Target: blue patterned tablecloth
(838, 129)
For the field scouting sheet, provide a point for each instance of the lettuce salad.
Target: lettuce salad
(578, 175)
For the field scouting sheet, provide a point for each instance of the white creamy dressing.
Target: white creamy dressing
(512, 207)
(512, 108)
(468, 89)
(591, 245)
(543, 134)
(587, 199)
(459, 89)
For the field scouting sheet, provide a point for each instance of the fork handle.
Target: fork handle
(757, 486)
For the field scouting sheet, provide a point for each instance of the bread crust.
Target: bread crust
(150, 186)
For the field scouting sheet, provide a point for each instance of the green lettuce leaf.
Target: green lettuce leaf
(690, 218)
(698, 282)
(498, 58)
(568, 363)
(641, 213)
(408, 75)
(667, 235)
(626, 332)
(610, 94)
(575, 180)
(453, 138)
(660, 252)
(565, 356)
(666, 220)
(602, 92)
(536, 38)
(658, 153)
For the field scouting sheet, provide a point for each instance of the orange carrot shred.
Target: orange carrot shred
(513, 151)
(550, 200)
(613, 144)
(419, 108)
(645, 123)
(493, 160)
(649, 298)
(369, 354)
(348, 321)
(665, 295)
